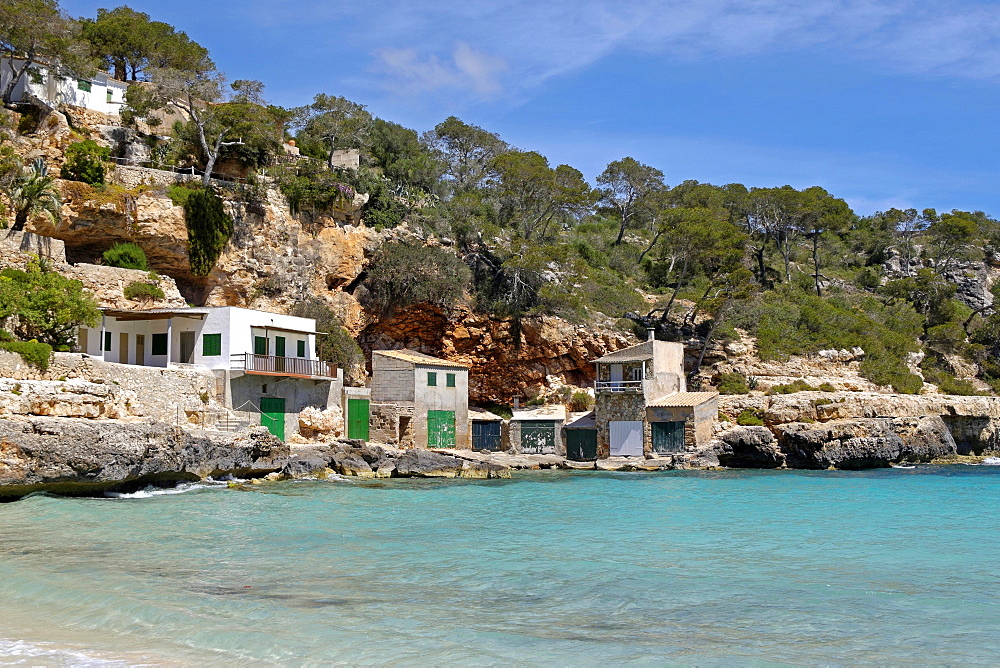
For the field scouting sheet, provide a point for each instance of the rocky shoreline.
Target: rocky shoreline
(87, 457)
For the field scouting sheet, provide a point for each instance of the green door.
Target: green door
(279, 353)
(272, 415)
(538, 437)
(440, 429)
(357, 419)
(668, 437)
(260, 345)
(581, 444)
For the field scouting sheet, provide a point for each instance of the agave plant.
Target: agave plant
(32, 193)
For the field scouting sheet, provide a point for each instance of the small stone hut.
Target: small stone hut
(538, 431)
(487, 430)
(581, 437)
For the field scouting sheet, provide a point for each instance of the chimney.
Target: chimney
(651, 334)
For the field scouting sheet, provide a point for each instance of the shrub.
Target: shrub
(142, 291)
(43, 305)
(180, 192)
(85, 162)
(34, 353)
(581, 401)
(127, 256)
(733, 383)
(826, 387)
(335, 345)
(209, 229)
(402, 274)
(749, 418)
(793, 387)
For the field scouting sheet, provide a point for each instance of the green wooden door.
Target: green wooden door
(581, 444)
(272, 415)
(440, 429)
(357, 419)
(668, 437)
(538, 437)
(260, 345)
(279, 354)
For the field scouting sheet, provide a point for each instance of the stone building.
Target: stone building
(419, 401)
(537, 431)
(643, 406)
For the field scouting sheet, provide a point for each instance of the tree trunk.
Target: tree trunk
(819, 293)
(708, 338)
(15, 76)
(20, 218)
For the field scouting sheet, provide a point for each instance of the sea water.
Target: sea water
(747, 567)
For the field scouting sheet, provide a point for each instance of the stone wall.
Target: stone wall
(512, 441)
(614, 406)
(243, 392)
(384, 423)
(25, 243)
(392, 379)
(129, 390)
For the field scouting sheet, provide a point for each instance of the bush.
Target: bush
(749, 418)
(403, 274)
(34, 353)
(127, 256)
(209, 229)
(180, 192)
(826, 387)
(335, 345)
(142, 291)
(85, 162)
(581, 401)
(43, 305)
(793, 387)
(733, 383)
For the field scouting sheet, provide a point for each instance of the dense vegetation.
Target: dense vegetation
(517, 236)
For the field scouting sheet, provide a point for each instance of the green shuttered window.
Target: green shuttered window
(83, 85)
(432, 379)
(211, 345)
(300, 348)
(450, 380)
(107, 341)
(260, 345)
(159, 344)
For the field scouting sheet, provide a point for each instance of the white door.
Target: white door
(626, 438)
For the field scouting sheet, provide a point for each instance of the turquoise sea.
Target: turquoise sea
(898, 566)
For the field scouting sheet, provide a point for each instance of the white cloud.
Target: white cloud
(409, 72)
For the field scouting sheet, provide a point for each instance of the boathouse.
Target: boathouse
(538, 431)
(419, 401)
(643, 406)
(487, 430)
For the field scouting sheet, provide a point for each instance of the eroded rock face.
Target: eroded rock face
(749, 447)
(80, 456)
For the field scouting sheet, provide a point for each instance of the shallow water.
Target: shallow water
(752, 567)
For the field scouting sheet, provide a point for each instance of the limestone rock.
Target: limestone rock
(426, 464)
(79, 456)
(748, 447)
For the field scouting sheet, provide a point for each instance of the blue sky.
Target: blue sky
(882, 102)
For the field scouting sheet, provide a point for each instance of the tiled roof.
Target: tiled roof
(413, 356)
(642, 351)
(681, 399)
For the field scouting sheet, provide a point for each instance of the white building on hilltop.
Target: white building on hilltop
(99, 93)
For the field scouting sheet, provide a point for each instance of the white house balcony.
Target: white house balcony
(618, 386)
(270, 365)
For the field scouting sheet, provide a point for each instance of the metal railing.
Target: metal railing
(184, 171)
(281, 366)
(618, 386)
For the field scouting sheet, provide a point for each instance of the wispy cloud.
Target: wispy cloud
(410, 72)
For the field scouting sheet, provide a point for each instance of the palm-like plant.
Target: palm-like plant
(31, 193)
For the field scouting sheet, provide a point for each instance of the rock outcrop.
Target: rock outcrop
(80, 456)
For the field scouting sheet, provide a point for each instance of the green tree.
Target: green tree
(467, 150)
(403, 158)
(34, 30)
(531, 194)
(818, 214)
(209, 229)
(335, 344)
(32, 192)
(85, 162)
(951, 234)
(127, 42)
(332, 122)
(44, 305)
(623, 186)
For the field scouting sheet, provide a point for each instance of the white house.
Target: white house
(265, 361)
(100, 92)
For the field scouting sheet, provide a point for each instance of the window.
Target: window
(279, 346)
(300, 348)
(260, 345)
(83, 85)
(211, 345)
(110, 96)
(432, 379)
(449, 380)
(107, 341)
(159, 344)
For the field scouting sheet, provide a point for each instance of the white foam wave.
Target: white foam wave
(150, 491)
(20, 652)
